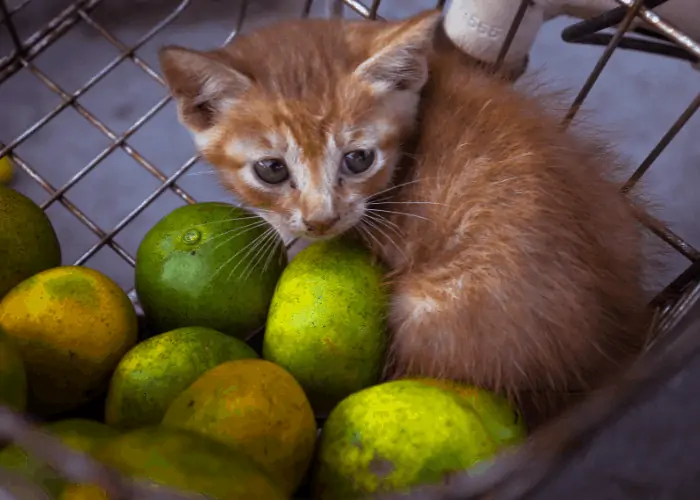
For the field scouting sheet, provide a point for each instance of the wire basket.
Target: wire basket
(24, 56)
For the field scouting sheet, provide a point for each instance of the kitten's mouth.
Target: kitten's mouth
(319, 237)
(328, 234)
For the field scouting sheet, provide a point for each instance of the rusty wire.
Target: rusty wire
(510, 476)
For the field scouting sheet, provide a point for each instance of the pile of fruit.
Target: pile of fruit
(190, 398)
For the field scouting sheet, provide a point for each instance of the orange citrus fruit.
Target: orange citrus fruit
(255, 407)
(71, 325)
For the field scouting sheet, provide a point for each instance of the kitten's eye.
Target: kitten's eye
(358, 161)
(271, 170)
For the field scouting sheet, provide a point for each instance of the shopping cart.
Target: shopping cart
(637, 27)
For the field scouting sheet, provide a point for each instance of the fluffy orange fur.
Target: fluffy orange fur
(515, 263)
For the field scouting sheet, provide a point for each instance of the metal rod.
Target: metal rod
(14, 10)
(71, 207)
(362, 9)
(663, 232)
(666, 28)
(106, 152)
(239, 22)
(43, 38)
(95, 79)
(661, 145)
(109, 133)
(373, 9)
(132, 215)
(517, 20)
(6, 17)
(306, 10)
(600, 65)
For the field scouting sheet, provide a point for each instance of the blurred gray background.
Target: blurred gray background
(652, 453)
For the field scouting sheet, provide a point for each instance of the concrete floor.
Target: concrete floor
(637, 99)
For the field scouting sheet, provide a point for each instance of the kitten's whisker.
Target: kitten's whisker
(253, 209)
(359, 230)
(228, 261)
(233, 219)
(273, 249)
(232, 233)
(236, 232)
(252, 261)
(399, 213)
(251, 247)
(391, 240)
(406, 203)
(257, 257)
(395, 186)
(369, 233)
(386, 223)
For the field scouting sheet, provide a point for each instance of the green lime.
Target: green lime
(209, 264)
(406, 433)
(157, 370)
(28, 242)
(327, 321)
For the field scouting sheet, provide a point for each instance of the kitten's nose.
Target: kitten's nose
(321, 225)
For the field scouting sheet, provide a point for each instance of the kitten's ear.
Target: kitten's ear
(202, 85)
(401, 60)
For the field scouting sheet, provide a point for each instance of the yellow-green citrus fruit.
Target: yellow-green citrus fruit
(6, 170)
(78, 434)
(28, 242)
(502, 420)
(255, 407)
(157, 370)
(401, 434)
(209, 264)
(327, 321)
(184, 461)
(71, 325)
(13, 377)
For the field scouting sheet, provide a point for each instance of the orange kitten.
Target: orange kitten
(514, 264)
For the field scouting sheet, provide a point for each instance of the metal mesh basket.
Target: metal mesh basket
(21, 55)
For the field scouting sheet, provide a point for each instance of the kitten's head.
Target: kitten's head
(304, 119)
